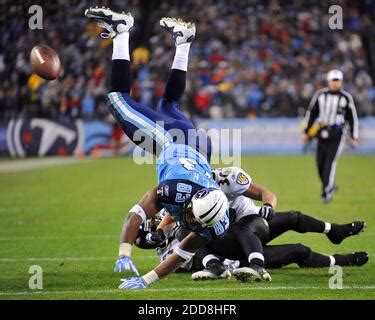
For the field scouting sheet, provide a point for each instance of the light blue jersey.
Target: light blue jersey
(180, 161)
(182, 171)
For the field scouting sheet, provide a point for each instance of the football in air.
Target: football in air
(45, 62)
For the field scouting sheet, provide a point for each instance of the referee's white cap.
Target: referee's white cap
(335, 75)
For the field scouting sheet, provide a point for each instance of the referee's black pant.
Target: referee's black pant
(327, 155)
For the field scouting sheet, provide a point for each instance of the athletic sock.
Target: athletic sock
(181, 57)
(327, 227)
(209, 259)
(121, 47)
(256, 258)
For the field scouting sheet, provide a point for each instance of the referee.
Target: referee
(334, 108)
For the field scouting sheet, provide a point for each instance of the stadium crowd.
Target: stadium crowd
(250, 58)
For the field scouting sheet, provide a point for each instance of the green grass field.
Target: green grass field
(67, 219)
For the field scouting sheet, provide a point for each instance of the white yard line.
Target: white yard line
(148, 256)
(30, 293)
(104, 236)
(13, 222)
(30, 164)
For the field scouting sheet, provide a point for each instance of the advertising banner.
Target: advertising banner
(281, 135)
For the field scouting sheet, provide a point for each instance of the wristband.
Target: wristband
(137, 209)
(125, 249)
(150, 277)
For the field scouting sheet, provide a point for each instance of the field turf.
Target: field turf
(67, 219)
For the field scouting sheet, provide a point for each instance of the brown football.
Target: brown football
(45, 62)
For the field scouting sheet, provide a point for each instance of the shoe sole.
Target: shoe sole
(204, 276)
(166, 24)
(247, 276)
(97, 15)
(102, 16)
(185, 24)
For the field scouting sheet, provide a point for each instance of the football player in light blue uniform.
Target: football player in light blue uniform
(185, 185)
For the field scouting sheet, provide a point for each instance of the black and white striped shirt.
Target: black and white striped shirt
(333, 108)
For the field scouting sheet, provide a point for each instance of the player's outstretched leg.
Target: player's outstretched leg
(299, 222)
(117, 26)
(318, 260)
(278, 256)
(249, 238)
(183, 34)
(131, 116)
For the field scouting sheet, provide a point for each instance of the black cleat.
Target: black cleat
(216, 267)
(339, 232)
(360, 258)
(351, 259)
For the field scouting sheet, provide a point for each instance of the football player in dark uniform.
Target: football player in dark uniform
(226, 253)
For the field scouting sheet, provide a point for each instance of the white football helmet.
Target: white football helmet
(209, 206)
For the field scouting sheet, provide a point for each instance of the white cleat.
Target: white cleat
(181, 31)
(251, 274)
(113, 22)
(208, 275)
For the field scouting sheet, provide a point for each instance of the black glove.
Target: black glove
(267, 212)
(156, 238)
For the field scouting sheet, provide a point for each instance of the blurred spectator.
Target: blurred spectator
(249, 58)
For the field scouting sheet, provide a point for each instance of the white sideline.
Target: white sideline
(104, 236)
(28, 293)
(30, 164)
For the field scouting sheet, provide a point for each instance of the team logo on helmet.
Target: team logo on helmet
(203, 192)
(242, 179)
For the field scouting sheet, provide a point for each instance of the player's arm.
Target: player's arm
(147, 207)
(261, 193)
(167, 223)
(182, 253)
